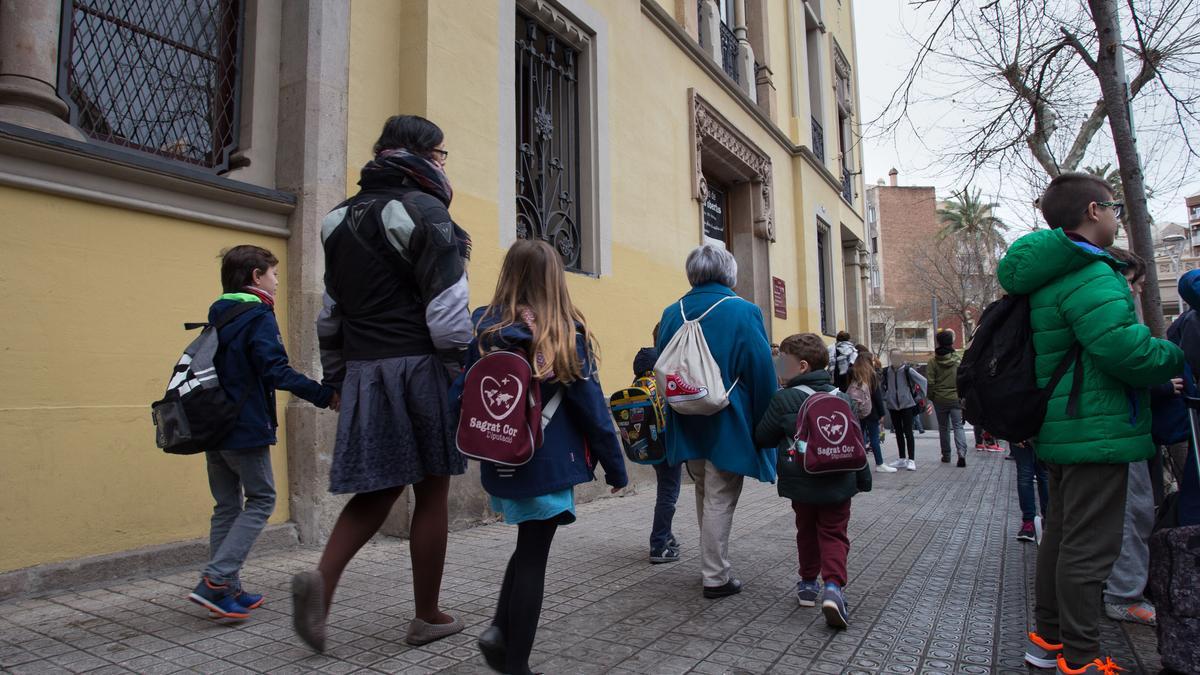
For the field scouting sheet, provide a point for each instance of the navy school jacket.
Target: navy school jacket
(580, 433)
(251, 355)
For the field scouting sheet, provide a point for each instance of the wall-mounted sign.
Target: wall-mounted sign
(779, 297)
(714, 217)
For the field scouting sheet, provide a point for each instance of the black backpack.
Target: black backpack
(195, 414)
(997, 378)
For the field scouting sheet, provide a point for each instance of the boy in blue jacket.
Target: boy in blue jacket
(251, 363)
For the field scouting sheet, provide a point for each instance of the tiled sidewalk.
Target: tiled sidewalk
(938, 585)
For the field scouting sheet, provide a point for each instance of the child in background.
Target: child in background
(821, 502)
(664, 547)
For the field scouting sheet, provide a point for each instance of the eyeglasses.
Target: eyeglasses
(442, 155)
(1117, 207)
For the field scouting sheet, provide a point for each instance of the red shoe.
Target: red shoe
(678, 390)
(1097, 667)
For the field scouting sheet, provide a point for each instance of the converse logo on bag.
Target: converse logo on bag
(834, 427)
(680, 390)
(501, 397)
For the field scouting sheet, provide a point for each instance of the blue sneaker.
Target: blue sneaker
(248, 600)
(807, 592)
(218, 599)
(834, 607)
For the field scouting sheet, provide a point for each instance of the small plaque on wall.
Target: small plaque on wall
(779, 297)
(714, 217)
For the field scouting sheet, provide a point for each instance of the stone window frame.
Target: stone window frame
(51, 156)
(721, 150)
(580, 25)
(827, 305)
(711, 128)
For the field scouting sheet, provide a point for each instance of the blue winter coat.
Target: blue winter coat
(738, 340)
(580, 433)
(251, 354)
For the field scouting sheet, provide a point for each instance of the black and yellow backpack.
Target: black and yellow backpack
(641, 418)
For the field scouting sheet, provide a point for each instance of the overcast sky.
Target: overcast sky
(885, 54)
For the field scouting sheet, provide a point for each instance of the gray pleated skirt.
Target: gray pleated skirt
(395, 426)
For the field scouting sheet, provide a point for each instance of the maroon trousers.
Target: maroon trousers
(822, 541)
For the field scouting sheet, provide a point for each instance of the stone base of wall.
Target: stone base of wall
(468, 508)
(138, 562)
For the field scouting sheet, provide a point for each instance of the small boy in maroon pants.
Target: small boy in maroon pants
(821, 502)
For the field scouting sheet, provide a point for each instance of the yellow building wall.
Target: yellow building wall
(655, 221)
(94, 299)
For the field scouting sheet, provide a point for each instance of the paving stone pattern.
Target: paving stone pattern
(937, 585)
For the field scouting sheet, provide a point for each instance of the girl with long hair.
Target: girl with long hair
(864, 390)
(532, 312)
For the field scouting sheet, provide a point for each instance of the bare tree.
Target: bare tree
(1031, 83)
(960, 270)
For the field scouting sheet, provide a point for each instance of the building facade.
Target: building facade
(138, 142)
(902, 226)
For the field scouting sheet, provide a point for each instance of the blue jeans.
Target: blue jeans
(664, 508)
(871, 434)
(1030, 468)
(237, 524)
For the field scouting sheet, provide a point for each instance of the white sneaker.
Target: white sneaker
(899, 464)
(885, 468)
(910, 465)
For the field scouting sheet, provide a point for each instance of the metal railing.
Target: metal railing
(729, 52)
(818, 140)
(847, 185)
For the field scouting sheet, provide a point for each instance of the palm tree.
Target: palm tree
(967, 214)
(1113, 178)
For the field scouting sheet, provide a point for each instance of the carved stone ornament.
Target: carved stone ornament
(552, 17)
(755, 165)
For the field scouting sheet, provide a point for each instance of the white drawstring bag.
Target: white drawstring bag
(687, 373)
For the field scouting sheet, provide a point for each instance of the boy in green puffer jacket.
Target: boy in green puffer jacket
(1077, 294)
(821, 502)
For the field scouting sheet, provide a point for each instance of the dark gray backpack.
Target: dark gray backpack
(195, 414)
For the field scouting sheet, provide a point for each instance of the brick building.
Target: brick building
(902, 223)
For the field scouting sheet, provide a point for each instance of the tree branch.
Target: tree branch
(1079, 48)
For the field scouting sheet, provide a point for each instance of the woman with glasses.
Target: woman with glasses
(395, 318)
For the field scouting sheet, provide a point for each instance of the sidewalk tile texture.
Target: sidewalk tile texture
(938, 584)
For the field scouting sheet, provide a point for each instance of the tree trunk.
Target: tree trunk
(1110, 71)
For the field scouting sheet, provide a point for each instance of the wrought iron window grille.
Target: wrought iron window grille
(818, 140)
(729, 52)
(847, 186)
(548, 143)
(158, 76)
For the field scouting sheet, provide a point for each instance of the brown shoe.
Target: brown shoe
(422, 632)
(308, 608)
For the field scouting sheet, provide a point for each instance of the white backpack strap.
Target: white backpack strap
(806, 389)
(551, 407)
(714, 306)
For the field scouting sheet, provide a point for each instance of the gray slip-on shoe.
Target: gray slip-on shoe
(422, 632)
(308, 608)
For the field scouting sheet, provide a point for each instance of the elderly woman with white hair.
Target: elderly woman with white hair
(719, 449)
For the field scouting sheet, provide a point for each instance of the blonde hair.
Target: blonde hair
(532, 277)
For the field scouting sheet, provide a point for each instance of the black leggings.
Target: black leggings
(902, 426)
(520, 603)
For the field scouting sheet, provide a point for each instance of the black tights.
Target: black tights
(902, 426)
(520, 603)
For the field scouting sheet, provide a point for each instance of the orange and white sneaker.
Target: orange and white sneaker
(1042, 654)
(1105, 666)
